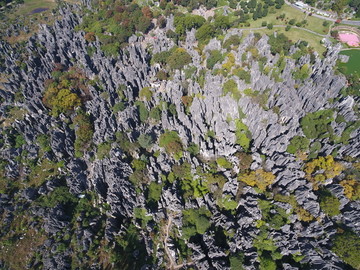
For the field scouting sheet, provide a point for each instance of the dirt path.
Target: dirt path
(173, 265)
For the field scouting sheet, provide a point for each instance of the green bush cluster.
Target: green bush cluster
(298, 143)
(103, 150)
(303, 73)
(176, 58)
(329, 203)
(243, 135)
(143, 111)
(84, 132)
(279, 44)
(146, 93)
(317, 124)
(113, 23)
(154, 192)
(171, 141)
(215, 56)
(195, 221)
(224, 163)
(243, 74)
(64, 93)
(347, 245)
(233, 40)
(187, 22)
(205, 32)
(230, 86)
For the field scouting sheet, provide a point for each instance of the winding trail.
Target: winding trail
(173, 265)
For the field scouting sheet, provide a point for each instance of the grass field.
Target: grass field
(313, 23)
(295, 35)
(353, 66)
(30, 5)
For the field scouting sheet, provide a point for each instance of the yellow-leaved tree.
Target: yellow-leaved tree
(258, 178)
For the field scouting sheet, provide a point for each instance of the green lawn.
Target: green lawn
(294, 35)
(30, 5)
(313, 23)
(354, 62)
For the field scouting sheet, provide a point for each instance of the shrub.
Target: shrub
(237, 261)
(195, 221)
(170, 140)
(154, 193)
(124, 142)
(222, 22)
(155, 113)
(118, 107)
(142, 215)
(60, 100)
(143, 112)
(59, 195)
(259, 178)
(44, 142)
(243, 135)
(317, 124)
(327, 165)
(245, 160)
(193, 149)
(146, 93)
(351, 188)
(215, 56)
(161, 57)
(138, 164)
(227, 203)
(229, 63)
(292, 22)
(161, 75)
(233, 40)
(187, 22)
(103, 150)
(346, 245)
(224, 163)
(270, 26)
(302, 73)
(145, 141)
(243, 74)
(329, 203)
(230, 86)
(205, 32)
(298, 143)
(84, 131)
(279, 43)
(179, 58)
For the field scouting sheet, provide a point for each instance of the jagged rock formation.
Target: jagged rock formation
(108, 178)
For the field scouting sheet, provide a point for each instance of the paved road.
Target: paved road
(355, 23)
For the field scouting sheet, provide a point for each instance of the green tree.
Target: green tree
(146, 93)
(179, 58)
(215, 56)
(195, 221)
(298, 143)
(145, 140)
(329, 203)
(171, 141)
(205, 32)
(347, 245)
(154, 192)
(317, 124)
